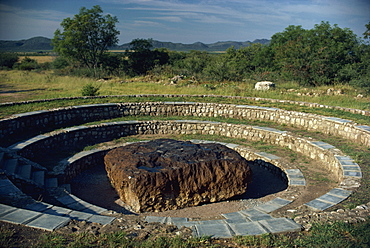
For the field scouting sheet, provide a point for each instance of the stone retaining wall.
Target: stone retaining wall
(308, 104)
(80, 136)
(34, 123)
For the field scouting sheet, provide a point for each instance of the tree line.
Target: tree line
(323, 55)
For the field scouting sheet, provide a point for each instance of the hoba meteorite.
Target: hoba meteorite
(166, 174)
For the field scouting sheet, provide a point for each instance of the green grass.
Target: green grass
(45, 84)
(338, 234)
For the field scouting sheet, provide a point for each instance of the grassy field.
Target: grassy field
(22, 85)
(39, 59)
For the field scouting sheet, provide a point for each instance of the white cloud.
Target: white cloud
(146, 23)
(168, 18)
(184, 19)
(19, 23)
(33, 13)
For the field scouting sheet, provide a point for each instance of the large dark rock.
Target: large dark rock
(166, 174)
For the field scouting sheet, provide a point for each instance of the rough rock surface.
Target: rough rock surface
(166, 174)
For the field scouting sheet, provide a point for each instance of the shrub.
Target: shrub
(90, 90)
(27, 64)
(7, 60)
(60, 63)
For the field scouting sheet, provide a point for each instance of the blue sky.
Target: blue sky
(185, 21)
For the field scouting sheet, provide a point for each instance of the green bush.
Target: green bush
(7, 60)
(90, 90)
(60, 63)
(27, 64)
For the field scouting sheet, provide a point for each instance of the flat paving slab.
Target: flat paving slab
(55, 210)
(247, 228)
(20, 216)
(252, 221)
(101, 219)
(336, 119)
(234, 216)
(268, 155)
(158, 219)
(38, 206)
(322, 145)
(352, 173)
(236, 221)
(175, 220)
(252, 212)
(48, 222)
(260, 217)
(270, 129)
(340, 192)
(280, 225)
(319, 205)
(273, 205)
(77, 215)
(5, 209)
(364, 127)
(75, 203)
(214, 230)
(295, 177)
(211, 222)
(331, 198)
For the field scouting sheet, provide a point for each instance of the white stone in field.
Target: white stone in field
(265, 85)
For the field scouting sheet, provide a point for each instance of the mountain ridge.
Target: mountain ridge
(43, 44)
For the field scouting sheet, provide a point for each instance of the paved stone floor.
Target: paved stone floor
(253, 221)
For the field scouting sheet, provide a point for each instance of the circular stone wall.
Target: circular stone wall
(167, 174)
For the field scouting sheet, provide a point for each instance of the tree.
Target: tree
(366, 34)
(142, 59)
(314, 56)
(195, 62)
(7, 60)
(86, 37)
(28, 64)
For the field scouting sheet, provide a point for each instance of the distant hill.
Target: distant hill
(36, 44)
(42, 44)
(218, 46)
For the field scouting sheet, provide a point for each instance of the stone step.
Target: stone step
(70, 213)
(73, 202)
(273, 205)
(51, 182)
(1, 159)
(333, 197)
(66, 187)
(24, 171)
(7, 188)
(295, 177)
(38, 177)
(10, 165)
(227, 228)
(32, 218)
(251, 221)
